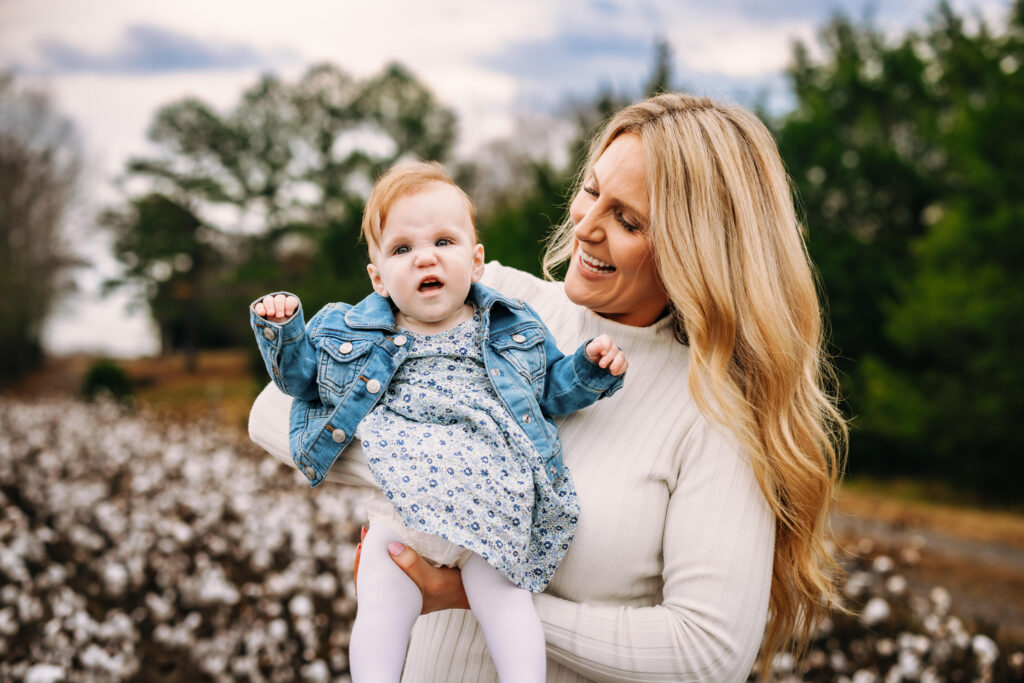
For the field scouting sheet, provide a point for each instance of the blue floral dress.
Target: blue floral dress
(446, 453)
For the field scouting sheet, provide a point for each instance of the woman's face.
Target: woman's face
(612, 268)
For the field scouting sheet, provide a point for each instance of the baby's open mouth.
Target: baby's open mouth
(430, 284)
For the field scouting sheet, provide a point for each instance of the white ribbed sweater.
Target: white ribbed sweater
(668, 576)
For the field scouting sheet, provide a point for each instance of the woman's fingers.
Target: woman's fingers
(441, 586)
(355, 563)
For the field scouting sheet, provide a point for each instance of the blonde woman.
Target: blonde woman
(705, 483)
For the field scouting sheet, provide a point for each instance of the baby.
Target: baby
(450, 388)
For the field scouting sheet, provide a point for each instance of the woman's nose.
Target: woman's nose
(587, 228)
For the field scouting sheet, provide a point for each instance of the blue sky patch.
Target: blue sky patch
(146, 48)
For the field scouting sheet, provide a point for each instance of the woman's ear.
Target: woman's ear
(376, 280)
(478, 262)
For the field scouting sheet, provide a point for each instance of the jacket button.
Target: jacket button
(495, 372)
(527, 419)
(310, 473)
(338, 435)
(554, 470)
(346, 347)
(518, 338)
(269, 334)
(373, 386)
(400, 340)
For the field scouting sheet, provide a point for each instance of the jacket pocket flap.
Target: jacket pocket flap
(522, 338)
(344, 350)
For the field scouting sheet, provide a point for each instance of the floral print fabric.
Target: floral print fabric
(446, 453)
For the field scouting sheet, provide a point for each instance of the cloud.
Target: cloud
(145, 48)
(573, 62)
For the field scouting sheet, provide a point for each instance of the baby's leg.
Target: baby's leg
(510, 624)
(388, 604)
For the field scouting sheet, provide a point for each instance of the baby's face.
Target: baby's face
(428, 258)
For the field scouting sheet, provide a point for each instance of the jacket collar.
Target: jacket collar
(374, 312)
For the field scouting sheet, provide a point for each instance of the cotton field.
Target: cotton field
(133, 547)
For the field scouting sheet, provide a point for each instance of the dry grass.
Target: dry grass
(895, 503)
(223, 385)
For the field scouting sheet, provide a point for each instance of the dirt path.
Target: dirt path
(978, 556)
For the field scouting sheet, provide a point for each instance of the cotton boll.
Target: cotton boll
(877, 610)
(882, 564)
(896, 584)
(278, 629)
(115, 579)
(941, 600)
(985, 649)
(44, 673)
(857, 583)
(325, 585)
(300, 606)
(316, 672)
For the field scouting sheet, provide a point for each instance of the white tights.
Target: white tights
(389, 603)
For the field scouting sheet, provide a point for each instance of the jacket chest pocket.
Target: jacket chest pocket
(524, 350)
(340, 362)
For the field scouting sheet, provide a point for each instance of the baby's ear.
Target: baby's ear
(376, 280)
(478, 262)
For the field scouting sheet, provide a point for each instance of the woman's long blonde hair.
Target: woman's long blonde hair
(732, 259)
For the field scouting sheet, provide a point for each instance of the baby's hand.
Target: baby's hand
(606, 354)
(276, 307)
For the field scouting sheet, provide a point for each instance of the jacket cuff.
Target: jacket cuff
(273, 335)
(592, 375)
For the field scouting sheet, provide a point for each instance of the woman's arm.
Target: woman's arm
(718, 552)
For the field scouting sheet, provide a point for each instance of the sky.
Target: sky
(110, 64)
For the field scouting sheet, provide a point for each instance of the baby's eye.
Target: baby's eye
(401, 249)
(443, 242)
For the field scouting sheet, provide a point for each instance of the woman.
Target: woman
(704, 484)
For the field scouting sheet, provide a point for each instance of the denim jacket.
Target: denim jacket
(338, 366)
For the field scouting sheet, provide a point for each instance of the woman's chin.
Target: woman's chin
(578, 289)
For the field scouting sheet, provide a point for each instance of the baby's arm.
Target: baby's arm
(573, 382)
(281, 336)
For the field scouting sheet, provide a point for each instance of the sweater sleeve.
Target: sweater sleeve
(718, 551)
(268, 429)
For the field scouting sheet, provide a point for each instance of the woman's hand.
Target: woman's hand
(441, 586)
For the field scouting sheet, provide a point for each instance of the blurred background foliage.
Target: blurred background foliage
(905, 154)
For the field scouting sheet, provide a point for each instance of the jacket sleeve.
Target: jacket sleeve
(288, 353)
(718, 552)
(573, 382)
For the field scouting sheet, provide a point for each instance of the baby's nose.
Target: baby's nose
(425, 256)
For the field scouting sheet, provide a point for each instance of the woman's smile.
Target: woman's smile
(594, 265)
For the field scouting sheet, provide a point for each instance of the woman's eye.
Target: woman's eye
(624, 223)
(591, 191)
(443, 242)
(401, 249)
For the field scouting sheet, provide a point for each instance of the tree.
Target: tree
(39, 168)
(907, 162)
(268, 195)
